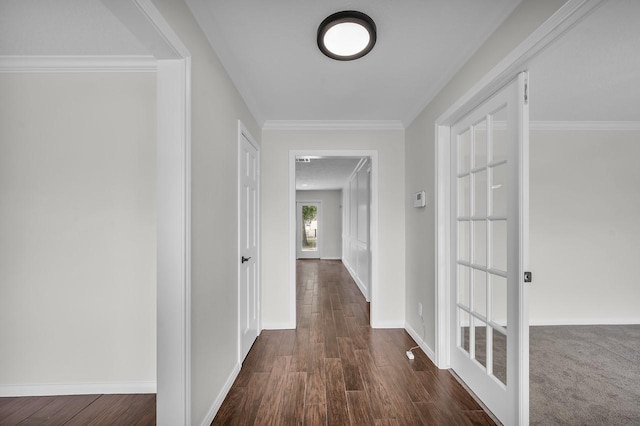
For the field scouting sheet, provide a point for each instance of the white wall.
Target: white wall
(331, 231)
(420, 160)
(276, 144)
(585, 233)
(216, 108)
(356, 237)
(77, 232)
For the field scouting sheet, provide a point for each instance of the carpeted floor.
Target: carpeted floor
(585, 375)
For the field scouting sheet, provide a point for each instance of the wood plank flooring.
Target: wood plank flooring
(335, 369)
(79, 410)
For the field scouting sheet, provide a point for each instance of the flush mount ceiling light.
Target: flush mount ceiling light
(347, 35)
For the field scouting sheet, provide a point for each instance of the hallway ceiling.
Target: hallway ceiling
(324, 173)
(269, 49)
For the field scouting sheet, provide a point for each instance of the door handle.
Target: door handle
(245, 259)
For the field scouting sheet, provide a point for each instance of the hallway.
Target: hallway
(335, 369)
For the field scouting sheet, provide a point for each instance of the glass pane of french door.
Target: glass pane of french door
(482, 241)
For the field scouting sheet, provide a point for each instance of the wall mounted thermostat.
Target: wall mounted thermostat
(419, 199)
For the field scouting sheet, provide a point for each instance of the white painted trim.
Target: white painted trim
(423, 345)
(173, 217)
(585, 321)
(36, 64)
(544, 36)
(523, 255)
(387, 324)
(293, 244)
(48, 389)
(330, 258)
(442, 249)
(333, 125)
(356, 279)
(211, 414)
(373, 155)
(277, 326)
(173, 399)
(586, 125)
(161, 25)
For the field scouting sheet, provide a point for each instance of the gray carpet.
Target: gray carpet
(585, 375)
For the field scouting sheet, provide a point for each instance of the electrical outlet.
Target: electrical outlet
(420, 309)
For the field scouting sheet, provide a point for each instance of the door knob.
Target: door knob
(245, 259)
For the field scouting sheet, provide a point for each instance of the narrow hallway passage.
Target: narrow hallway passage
(335, 369)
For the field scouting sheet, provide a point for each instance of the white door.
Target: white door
(249, 291)
(489, 204)
(308, 229)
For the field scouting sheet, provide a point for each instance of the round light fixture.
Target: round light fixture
(347, 35)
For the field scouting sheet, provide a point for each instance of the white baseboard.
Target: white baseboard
(49, 389)
(387, 324)
(586, 321)
(278, 326)
(330, 258)
(358, 281)
(211, 414)
(423, 345)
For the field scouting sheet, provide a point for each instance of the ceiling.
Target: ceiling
(324, 173)
(269, 49)
(592, 73)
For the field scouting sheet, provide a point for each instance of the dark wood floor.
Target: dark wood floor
(335, 369)
(79, 410)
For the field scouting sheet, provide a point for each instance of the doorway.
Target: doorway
(447, 254)
(585, 201)
(331, 186)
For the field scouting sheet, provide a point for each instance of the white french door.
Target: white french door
(489, 241)
(249, 291)
(308, 222)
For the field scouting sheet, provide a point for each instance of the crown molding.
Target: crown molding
(77, 64)
(333, 125)
(585, 125)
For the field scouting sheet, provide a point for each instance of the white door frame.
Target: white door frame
(173, 355)
(545, 36)
(244, 132)
(320, 227)
(373, 154)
